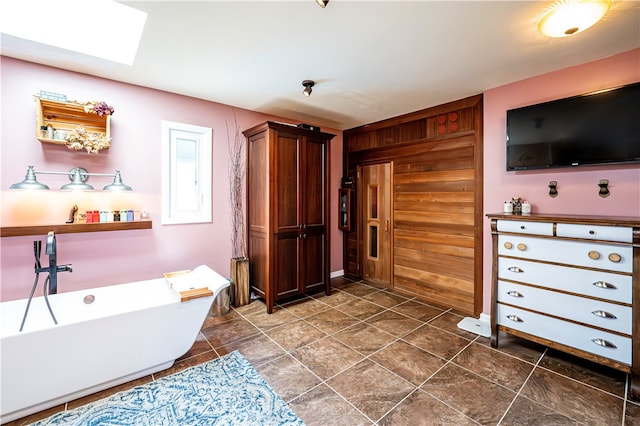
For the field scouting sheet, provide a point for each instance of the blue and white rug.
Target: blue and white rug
(224, 391)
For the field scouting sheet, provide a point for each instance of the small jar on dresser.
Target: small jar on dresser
(571, 283)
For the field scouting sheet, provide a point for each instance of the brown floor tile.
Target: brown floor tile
(360, 308)
(288, 377)
(337, 297)
(360, 289)
(573, 399)
(436, 341)
(407, 361)
(418, 310)
(295, 335)
(384, 298)
(327, 357)
(306, 307)
(632, 412)
(478, 398)
(323, 407)
(364, 338)
(258, 350)
(265, 321)
(199, 346)
(496, 366)
(370, 388)
(332, 321)
(230, 331)
(526, 412)
(255, 305)
(596, 375)
(422, 409)
(449, 322)
(394, 323)
(211, 320)
(516, 346)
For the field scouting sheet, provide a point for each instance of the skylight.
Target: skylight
(102, 28)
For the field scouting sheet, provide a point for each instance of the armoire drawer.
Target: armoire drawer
(608, 345)
(601, 314)
(591, 255)
(522, 227)
(603, 285)
(595, 232)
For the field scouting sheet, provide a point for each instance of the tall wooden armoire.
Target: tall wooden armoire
(287, 211)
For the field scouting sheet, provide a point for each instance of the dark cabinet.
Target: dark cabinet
(287, 211)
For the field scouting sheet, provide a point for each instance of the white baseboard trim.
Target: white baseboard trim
(485, 318)
(336, 274)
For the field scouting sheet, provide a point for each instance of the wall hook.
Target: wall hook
(553, 189)
(604, 188)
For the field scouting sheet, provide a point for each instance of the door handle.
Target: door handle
(386, 225)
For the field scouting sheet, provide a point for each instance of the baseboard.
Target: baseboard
(485, 318)
(336, 274)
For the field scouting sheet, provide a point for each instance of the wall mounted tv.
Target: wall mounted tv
(593, 129)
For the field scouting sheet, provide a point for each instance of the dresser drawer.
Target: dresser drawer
(591, 255)
(577, 336)
(595, 232)
(603, 285)
(523, 227)
(588, 311)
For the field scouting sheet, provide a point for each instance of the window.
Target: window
(186, 173)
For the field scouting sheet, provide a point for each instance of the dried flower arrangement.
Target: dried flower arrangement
(81, 139)
(99, 108)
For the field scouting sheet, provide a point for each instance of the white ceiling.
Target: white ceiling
(371, 60)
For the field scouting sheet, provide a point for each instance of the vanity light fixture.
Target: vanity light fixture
(78, 177)
(322, 3)
(308, 84)
(568, 17)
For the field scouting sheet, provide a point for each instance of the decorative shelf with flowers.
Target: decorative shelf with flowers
(77, 125)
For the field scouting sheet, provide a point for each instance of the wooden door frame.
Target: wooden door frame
(360, 216)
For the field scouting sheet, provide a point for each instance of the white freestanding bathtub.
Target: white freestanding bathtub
(128, 331)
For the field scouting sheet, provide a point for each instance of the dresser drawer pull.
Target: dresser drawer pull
(508, 245)
(515, 269)
(615, 257)
(514, 293)
(522, 227)
(522, 247)
(604, 314)
(604, 343)
(592, 232)
(604, 284)
(514, 318)
(594, 255)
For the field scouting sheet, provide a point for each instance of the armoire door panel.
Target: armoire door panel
(286, 279)
(313, 178)
(312, 257)
(287, 182)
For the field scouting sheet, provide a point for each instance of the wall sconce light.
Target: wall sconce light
(78, 176)
(322, 3)
(308, 84)
(568, 17)
(553, 189)
(604, 188)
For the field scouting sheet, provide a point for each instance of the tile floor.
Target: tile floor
(369, 356)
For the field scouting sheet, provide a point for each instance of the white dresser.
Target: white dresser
(570, 283)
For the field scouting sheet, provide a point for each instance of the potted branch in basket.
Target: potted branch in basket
(239, 259)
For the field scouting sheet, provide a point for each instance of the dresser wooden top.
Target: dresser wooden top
(565, 218)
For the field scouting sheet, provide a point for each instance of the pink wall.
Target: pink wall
(106, 258)
(577, 188)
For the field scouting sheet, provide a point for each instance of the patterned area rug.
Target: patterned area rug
(224, 391)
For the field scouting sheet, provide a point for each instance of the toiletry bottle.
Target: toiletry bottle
(49, 131)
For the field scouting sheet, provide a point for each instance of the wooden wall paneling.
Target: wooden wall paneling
(437, 198)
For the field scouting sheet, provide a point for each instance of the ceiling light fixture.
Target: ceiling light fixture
(568, 17)
(308, 84)
(322, 3)
(78, 176)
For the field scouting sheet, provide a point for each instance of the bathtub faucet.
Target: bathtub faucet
(53, 268)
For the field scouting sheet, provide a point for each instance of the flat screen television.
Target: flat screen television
(592, 129)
